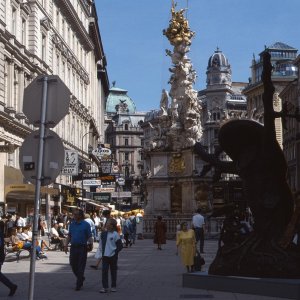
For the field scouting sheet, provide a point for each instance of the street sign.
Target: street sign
(58, 100)
(101, 152)
(120, 181)
(91, 182)
(53, 157)
(71, 163)
(102, 197)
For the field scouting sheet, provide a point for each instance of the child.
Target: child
(111, 245)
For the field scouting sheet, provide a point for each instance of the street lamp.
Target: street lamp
(83, 163)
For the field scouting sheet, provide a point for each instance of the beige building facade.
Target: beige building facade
(48, 37)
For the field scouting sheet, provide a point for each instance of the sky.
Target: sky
(131, 32)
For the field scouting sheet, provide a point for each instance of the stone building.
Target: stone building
(282, 57)
(291, 129)
(125, 136)
(222, 100)
(48, 37)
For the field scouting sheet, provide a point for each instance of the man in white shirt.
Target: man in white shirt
(20, 222)
(198, 224)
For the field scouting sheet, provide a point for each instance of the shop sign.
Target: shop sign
(102, 197)
(71, 163)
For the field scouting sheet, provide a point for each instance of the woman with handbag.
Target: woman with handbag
(186, 244)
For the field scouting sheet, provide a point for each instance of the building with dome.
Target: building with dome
(125, 137)
(221, 100)
(284, 72)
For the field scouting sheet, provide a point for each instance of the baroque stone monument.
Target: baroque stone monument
(172, 167)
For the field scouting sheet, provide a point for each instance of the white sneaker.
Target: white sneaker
(113, 289)
(103, 291)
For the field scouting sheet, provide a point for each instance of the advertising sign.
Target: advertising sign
(71, 163)
(102, 197)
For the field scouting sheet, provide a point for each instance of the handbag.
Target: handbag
(198, 261)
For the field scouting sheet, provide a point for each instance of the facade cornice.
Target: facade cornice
(10, 125)
(80, 109)
(70, 14)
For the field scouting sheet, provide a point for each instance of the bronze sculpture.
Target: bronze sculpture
(259, 161)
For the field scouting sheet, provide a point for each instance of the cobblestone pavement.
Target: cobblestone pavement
(144, 273)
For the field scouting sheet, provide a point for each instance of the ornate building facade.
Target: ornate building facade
(49, 37)
(125, 136)
(221, 100)
(291, 138)
(284, 72)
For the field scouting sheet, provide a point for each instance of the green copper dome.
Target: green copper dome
(119, 102)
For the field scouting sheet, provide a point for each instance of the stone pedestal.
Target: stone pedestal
(172, 183)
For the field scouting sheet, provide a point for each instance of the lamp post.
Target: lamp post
(83, 163)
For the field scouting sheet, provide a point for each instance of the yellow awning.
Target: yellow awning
(28, 188)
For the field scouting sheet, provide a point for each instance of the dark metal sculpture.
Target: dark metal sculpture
(258, 159)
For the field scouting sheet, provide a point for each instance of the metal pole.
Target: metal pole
(38, 188)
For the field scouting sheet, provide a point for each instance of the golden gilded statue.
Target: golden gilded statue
(178, 31)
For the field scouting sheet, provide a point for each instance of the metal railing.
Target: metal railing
(213, 226)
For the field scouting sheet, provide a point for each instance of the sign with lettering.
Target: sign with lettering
(71, 163)
(102, 197)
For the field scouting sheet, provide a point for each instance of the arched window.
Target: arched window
(126, 126)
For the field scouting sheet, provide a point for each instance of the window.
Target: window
(126, 156)
(44, 41)
(126, 126)
(57, 19)
(13, 21)
(23, 36)
(126, 142)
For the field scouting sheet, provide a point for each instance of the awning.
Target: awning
(84, 199)
(26, 191)
(91, 202)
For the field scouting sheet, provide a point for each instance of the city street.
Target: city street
(144, 273)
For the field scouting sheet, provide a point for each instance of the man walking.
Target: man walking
(12, 287)
(198, 224)
(80, 236)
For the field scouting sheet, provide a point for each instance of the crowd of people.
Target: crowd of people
(73, 232)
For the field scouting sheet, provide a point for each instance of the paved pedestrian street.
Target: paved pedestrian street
(144, 273)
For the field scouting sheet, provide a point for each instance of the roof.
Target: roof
(280, 46)
(118, 98)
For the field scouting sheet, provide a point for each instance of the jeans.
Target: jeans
(109, 262)
(78, 256)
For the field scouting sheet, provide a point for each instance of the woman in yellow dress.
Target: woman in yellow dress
(186, 243)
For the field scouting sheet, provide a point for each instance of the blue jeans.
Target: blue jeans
(109, 262)
(78, 256)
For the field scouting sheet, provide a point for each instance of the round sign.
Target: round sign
(53, 157)
(100, 152)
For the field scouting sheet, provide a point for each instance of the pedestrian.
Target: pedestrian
(186, 244)
(133, 221)
(12, 287)
(81, 239)
(198, 224)
(111, 245)
(106, 216)
(160, 229)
